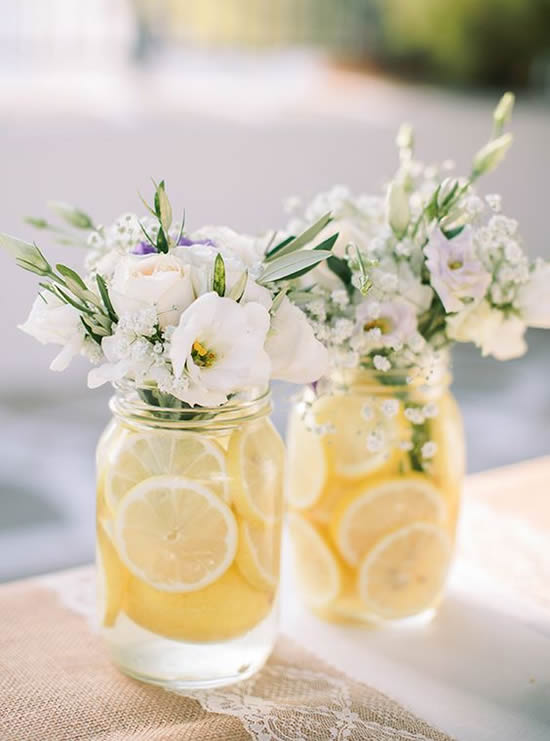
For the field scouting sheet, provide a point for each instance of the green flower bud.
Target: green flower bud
(27, 256)
(491, 155)
(504, 109)
(398, 209)
(73, 216)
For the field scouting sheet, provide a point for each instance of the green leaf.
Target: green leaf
(162, 241)
(90, 331)
(453, 232)
(71, 276)
(296, 243)
(147, 235)
(237, 292)
(163, 209)
(73, 216)
(218, 283)
(340, 268)
(60, 293)
(365, 282)
(37, 223)
(274, 250)
(277, 301)
(147, 206)
(104, 293)
(328, 244)
(27, 256)
(293, 265)
(181, 228)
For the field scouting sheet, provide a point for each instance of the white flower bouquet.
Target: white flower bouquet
(426, 264)
(190, 317)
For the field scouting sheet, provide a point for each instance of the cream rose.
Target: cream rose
(159, 280)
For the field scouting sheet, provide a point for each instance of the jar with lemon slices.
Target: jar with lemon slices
(189, 510)
(376, 463)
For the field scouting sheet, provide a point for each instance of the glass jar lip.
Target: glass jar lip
(368, 378)
(129, 404)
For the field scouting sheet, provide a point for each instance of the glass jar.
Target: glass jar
(189, 512)
(376, 464)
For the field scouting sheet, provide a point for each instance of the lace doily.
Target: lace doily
(282, 702)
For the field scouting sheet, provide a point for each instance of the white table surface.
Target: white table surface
(480, 671)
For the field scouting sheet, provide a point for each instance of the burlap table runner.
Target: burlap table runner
(56, 684)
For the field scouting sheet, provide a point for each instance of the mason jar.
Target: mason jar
(189, 511)
(376, 465)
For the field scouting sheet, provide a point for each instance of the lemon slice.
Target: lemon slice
(405, 572)
(258, 554)
(307, 468)
(175, 534)
(316, 568)
(228, 608)
(110, 579)
(362, 519)
(255, 462)
(360, 439)
(142, 455)
(448, 434)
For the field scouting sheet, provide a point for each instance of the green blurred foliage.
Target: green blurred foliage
(484, 41)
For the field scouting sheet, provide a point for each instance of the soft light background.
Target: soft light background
(238, 104)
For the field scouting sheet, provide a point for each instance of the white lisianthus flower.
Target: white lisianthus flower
(296, 355)
(157, 280)
(232, 245)
(53, 322)
(219, 345)
(391, 322)
(489, 329)
(455, 271)
(534, 297)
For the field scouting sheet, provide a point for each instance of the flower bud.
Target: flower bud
(27, 256)
(73, 216)
(405, 137)
(491, 155)
(398, 209)
(446, 192)
(504, 109)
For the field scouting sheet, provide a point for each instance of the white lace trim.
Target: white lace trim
(265, 719)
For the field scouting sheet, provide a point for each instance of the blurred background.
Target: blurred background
(238, 104)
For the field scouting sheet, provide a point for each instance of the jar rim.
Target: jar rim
(129, 404)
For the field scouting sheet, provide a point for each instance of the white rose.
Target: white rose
(488, 328)
(534, 296)
(296, 355)
(52, 321)
(455, 271)
(219, 346)
(247, 249)
(159, 280)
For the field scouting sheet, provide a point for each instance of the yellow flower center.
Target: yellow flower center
(201, 355)
(383, 324)
(455, 264)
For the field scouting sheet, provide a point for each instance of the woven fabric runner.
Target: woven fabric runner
(56, 684)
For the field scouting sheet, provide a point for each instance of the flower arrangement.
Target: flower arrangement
(190, 318)
(428, 264)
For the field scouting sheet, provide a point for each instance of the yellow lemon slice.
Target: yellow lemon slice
(225, 609)
(405, 572)
(382, 507)
(316, 568)
(360, 438)
(255, 462)
(139, 456)
(258, 554)
(448, 433)
(307, 468)
(175, 534)
(111, 579)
